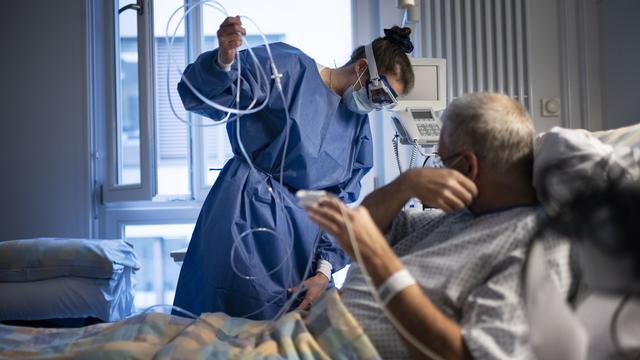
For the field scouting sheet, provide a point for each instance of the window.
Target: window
(157, 170)
(157, 279)
(185, 161)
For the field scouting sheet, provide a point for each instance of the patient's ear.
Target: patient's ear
(471, 163)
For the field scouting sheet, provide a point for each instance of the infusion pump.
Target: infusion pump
(417, 126)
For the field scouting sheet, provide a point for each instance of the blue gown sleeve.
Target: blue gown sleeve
(220, 86)
(329, 250)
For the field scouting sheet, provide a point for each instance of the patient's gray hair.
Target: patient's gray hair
(495, 127)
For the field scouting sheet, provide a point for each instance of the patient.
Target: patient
(466, 253)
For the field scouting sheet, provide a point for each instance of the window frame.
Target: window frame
(147, 188)
(139, 204)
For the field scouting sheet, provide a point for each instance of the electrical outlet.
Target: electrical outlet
(551, 106)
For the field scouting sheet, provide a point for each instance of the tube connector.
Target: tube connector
(276, 76)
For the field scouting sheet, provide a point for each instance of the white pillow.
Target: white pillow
(46, 258)
(567, 161)
(624, 136)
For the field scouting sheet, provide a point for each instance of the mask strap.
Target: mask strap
(373, 67)
(358, 79)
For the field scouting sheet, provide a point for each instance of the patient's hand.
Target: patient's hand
(445, 189)
(315, 287)
(331, 214)
(378, 257)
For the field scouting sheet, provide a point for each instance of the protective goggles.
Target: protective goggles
(380, 93)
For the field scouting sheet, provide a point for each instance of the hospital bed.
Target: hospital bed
(328, 330)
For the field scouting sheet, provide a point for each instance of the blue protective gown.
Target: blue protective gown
(329, 148)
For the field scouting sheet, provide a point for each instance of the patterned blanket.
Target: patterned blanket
(328, 331)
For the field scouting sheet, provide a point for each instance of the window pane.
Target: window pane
(173, 154)
(128, 121)
(157, 279)
(217, 151)
(322, 29)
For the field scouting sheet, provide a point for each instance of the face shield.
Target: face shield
(380, 93)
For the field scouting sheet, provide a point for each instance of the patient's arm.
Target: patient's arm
(445, 189)
(411, 306)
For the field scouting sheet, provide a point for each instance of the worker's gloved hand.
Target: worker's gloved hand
(230, 38)
(315, 286)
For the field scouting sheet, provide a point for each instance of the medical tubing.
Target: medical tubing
(237, 243)
(259, 71)
(245, 255)
(395, 151)
(237, 240)
(365, 274)
(294, 295)
(237, 124)
(286, 135)
(261, 75)
(169, 59)
(268, 303)
(277, 78)
(300, 287)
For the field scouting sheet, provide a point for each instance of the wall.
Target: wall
(44, 155)
(563, 57)
(620, 62)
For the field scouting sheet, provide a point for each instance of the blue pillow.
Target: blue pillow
(47, 258)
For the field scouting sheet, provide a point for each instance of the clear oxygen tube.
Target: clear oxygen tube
(238, 251)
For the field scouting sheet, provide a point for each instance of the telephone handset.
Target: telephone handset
(417, 126)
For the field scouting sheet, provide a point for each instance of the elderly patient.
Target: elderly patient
(466, 253)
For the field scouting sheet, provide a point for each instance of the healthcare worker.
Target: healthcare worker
(252, 241)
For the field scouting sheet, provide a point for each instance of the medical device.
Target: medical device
(310, 197)
(379, 91)
(414, 116)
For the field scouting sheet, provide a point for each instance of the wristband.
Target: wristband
(324, 267)
(397, 282)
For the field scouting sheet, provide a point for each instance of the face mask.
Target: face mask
(357, 101)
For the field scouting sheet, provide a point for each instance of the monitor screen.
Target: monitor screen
(426, 84)
(429, 89)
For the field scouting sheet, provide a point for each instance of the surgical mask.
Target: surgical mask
(357, 100)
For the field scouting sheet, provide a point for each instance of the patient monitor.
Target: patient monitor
(414, 116)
